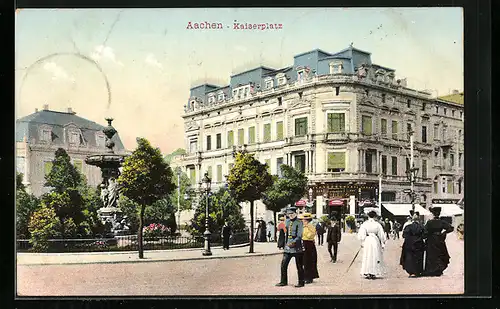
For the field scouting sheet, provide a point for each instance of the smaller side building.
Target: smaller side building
(40, 134)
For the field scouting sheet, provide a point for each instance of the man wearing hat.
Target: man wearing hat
(293, 248)
(436, 254)
(333, 237)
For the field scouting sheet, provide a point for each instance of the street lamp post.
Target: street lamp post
(207, 181)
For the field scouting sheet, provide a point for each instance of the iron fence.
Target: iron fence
(130, 243)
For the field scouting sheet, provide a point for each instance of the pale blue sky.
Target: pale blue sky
(151, 59)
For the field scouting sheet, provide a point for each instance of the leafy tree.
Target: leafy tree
(68, 209)
(91, 224)
(19, 182)
(43, 225)
(287, 189)
(26, 205)
(145, 179)
(63, 175)
(247, 180)
(168, 158)
(222, 207)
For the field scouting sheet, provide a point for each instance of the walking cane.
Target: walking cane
(352, 262)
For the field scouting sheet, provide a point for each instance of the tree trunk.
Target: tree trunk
(139, 232)
(251, 227)
(275, 227)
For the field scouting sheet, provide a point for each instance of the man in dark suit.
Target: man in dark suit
(333, 237)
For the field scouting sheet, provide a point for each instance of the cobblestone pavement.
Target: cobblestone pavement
(254, 275)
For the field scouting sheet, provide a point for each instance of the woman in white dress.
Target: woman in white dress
(373, 237)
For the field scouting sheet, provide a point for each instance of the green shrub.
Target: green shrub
(43, 225)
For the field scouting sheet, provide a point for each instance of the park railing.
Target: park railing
(130, 243)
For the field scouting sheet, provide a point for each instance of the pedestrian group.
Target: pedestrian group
(422, 243)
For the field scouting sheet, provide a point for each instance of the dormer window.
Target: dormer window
(247, 89)
(235, 92)
(220, 96)
(211, 98)
(46, 135)
(269, 83)
(281, 78)
(336, 67)
(300, 75)
(74, 137)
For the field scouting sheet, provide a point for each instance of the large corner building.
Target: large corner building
(339, 118)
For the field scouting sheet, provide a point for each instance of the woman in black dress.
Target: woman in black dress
(412, 254)
(437, 257)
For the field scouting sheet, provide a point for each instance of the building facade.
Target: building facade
(40, 134)
(338, 117)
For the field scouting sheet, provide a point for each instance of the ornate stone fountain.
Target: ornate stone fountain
(109, 162)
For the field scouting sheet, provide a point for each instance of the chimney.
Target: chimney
(46, 107)
(36, 110)
(455, 91)
(70, 111)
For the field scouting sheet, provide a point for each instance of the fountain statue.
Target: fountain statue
(109, 162)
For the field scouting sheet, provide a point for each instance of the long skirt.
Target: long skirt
(372, 263)
(310, 260)
(281, 239)
(437, 257)
(412, 256)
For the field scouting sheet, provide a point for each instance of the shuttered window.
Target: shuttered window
(336, 122)
(450, 186)
(78, 165)
(251, 135)
(301, 126)
(383, 127)
(336, 161)
(192, 176)
(48, 167)
(241, 136)
(366, 125)
(230, 138)
(267, 133)
(394, 165)
(394, 129)
(279, 130)
(219, 173)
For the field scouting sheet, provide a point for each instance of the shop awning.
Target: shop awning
(337, 202)
(301, 203)
(449, 210)
(404, 209)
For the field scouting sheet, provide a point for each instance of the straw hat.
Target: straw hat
(301, 216)
(307, 216)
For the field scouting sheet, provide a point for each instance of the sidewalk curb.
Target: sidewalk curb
(124, 252)
(158, 260)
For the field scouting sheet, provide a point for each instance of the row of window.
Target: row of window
(448, 186)
(449, 160)
(74, 137)
(394, 166)
(335, 124)
(445, 112)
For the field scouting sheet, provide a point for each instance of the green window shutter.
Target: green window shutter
(394, 129)
(268, 162)
(48, 168)
(251, 135)
(219, 173)
(267, 132)
(279, 130)
(366, 126)
(209, 170)
(383, 126)
(230, 138)
(450, 186)
(78, 165)
(192, 176)
(241, 136)
(336, 160)
(300, 126)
